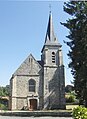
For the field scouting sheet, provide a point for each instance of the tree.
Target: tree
(4, 91)
(77, 26)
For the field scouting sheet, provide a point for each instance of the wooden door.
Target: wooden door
(33, 104)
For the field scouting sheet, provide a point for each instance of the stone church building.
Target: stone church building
(40, 85)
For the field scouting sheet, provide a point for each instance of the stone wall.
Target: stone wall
(54, 92)
(21, 94)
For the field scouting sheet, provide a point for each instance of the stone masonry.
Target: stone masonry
(38, 85)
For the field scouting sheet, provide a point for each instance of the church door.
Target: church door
(33, 104)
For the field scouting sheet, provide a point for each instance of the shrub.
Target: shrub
(3, 107)
(79, 113)
(70, 99)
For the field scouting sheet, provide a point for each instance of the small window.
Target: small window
(30, 60)
(32, 85)
(53, 57)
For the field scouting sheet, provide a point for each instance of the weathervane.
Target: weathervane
(50, 8)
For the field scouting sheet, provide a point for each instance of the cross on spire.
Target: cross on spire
(50, 8)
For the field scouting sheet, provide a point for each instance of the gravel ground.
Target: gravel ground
(12, 117)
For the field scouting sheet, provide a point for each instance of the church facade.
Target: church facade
(39, 85)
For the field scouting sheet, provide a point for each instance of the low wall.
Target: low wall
(36, 113)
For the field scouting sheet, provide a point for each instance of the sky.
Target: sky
(23, 26)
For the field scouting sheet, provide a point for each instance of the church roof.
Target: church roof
(29, 67)
(41, 63)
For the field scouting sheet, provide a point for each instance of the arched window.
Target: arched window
(32, 85)
(53, 57)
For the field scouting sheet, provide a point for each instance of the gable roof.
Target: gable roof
(41, 63)
(29, 67)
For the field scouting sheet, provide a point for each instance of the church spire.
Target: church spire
(50, 37)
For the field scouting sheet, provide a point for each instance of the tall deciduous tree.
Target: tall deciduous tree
(77, 26)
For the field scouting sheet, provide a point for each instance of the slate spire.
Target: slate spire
(50, 36)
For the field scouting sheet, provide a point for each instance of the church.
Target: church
(40, 85)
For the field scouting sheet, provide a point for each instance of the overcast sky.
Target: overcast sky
(23, 28)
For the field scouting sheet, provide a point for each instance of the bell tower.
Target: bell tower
(53, 70)
(51, 46)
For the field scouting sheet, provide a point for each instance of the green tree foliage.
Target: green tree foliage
(4, 91)
(70, 98)
(3, 107)
(77, 26)
(79, 113)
